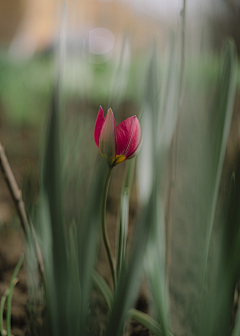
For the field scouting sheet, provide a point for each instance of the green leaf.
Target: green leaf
(158, 119)
(87, 238)
(236, 328)
(219, 134)
(131, 275)
(152, 85)
(10, 293)
(52, 182)
(45, 239)
(169, 96)
(74, 294)
(202, 142)
(120, 75)
(123, 230)
(155, 267)
(2, 304)
(146, 321)
(52, 194)
(222, 270)
(103, 288)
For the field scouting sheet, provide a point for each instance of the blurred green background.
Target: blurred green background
(105, 60)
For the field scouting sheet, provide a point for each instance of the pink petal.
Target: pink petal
(107, 142)
(98, 125)
(128, 136)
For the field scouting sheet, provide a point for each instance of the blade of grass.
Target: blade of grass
(103, 288)
(155, 268)
(74, 287)
(130, 278)
(2, 304)
(10, 294)
(87, 236)
(123, 223)
(199, 146)
(145, 320)
(223, 271)
(224, 105)
(163, 120)
(236, 328)
(52, 181)
(45, 243)
(52, 189)
(120, 75)
(123, 230)
(169, 96)
(175, 150)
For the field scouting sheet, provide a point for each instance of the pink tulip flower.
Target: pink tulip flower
(117, 143)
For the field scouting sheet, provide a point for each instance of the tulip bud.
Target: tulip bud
(117, 143)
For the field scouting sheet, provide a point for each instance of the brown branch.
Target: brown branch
(18, 201)
(14, 190)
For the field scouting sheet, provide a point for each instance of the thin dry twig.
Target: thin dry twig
(14, 190)
(18, 201)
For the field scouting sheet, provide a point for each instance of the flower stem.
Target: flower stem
(104, 229)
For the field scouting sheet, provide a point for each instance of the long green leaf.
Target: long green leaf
(2, 304)
(224, 106)
(74, 287)
(45, 239)
(223, 267)
(52, 190)
(10, 293)
(121, 74)
(130, 278)
(236, 329)
(103, 288)
(87, 237)
(202, 135)
(163, 118)
(146, 321)
(169, 96)
(52, 180)
(223, 272)
(155, 267)
(123, 230)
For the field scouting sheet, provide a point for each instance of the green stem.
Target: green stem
(104, 229)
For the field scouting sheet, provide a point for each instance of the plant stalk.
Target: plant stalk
(18, 201)
(104, 228)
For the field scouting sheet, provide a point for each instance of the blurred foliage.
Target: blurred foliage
(69, 243)
(25, 88)
(223, 22)
(25, 85)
